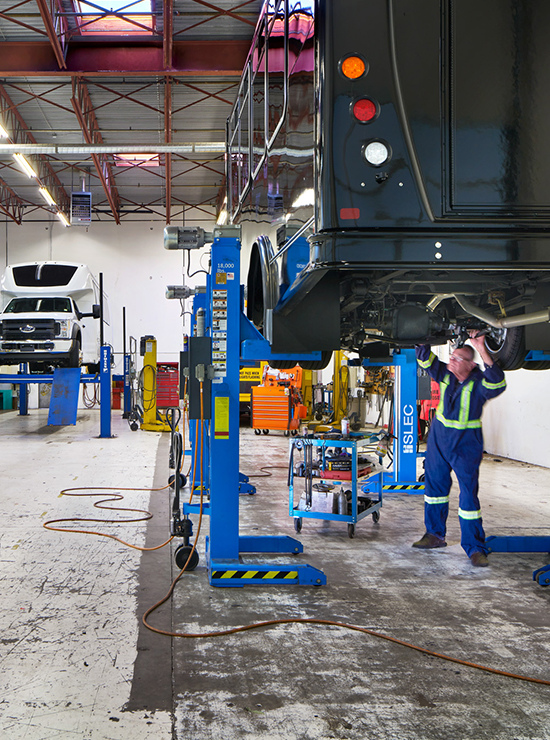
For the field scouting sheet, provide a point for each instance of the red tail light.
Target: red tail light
(365, 110)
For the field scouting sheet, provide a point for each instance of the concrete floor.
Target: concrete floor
(76, 662)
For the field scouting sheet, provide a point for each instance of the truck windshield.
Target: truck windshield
(39, 305)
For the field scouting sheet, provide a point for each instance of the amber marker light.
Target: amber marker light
(353, 67)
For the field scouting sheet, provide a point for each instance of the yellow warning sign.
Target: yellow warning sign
(251, 374)
(221, 417)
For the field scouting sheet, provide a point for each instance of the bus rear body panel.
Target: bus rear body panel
(428, 174)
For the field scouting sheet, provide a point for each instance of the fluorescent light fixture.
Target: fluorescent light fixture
(46, 195)
(3, 133)
(25, 166)
(222, 218)
(306, 198)
(61, 216)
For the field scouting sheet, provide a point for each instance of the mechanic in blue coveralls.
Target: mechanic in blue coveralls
(455, 443)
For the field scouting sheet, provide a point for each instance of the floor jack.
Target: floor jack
(212, 368)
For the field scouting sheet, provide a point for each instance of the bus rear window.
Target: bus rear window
(30, 276)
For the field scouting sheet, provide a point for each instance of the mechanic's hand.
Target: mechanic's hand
(477, 340)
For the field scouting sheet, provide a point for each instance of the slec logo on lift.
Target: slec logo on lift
(408, 426)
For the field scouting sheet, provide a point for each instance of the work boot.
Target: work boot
(479, 559)
(429, 542)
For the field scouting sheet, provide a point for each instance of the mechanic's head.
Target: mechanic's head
(461, 362)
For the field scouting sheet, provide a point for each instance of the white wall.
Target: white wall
(136, 270)
(517, 423)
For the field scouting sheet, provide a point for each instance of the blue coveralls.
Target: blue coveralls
(455, 443)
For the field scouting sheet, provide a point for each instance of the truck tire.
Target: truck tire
(326, 356)
(74, 354)
(507, 347)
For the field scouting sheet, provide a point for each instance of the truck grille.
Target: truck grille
(14, 330)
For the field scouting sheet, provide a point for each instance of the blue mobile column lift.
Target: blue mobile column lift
(403, 476)
(214, 359)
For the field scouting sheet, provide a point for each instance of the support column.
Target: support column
(105, 392)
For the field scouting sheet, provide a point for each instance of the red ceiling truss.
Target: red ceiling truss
(10, 203)
(84, 110)
(167, 140)
(20, 134)
(56, 26)
(180, 69)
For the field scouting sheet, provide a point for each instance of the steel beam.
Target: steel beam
(168, 139)
(83, 108)
(10, 203)
(189, 58)
(56, 27)
(168, 41)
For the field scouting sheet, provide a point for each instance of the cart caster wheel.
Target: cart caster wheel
(375, 517)
(265, 431)
(286, 433)
(181, 555)
(543, 579)
(134, 426)
(172, 478)
(257, 431)
(297, 525)
(294, 432)
(351, 531)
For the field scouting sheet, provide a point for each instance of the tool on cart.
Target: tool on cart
(340, 464)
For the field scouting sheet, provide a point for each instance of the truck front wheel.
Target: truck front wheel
(74, 354)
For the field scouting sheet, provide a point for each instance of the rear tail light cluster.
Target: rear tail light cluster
(365, 110)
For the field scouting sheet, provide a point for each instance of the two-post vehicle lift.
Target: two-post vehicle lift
(24, 378)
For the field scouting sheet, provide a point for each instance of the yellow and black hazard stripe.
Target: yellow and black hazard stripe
(397, 487)
(247, 575)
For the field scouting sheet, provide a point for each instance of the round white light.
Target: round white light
(376, 153)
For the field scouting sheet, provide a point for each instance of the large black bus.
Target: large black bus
(389, 164)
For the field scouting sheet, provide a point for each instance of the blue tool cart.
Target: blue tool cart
(325, 477)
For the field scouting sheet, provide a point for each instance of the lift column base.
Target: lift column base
(236, 574)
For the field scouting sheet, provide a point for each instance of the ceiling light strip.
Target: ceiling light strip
(172, 148)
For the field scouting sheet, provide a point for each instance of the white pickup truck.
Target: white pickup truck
(48, 316)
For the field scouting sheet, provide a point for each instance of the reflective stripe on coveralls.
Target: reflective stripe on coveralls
(426, 363)
(469, 514)
(463, 421)
(493, 386)
(437, 499)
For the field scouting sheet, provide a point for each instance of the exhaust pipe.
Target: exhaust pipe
(537, 317)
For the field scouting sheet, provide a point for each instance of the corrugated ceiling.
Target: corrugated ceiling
(134, 87)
